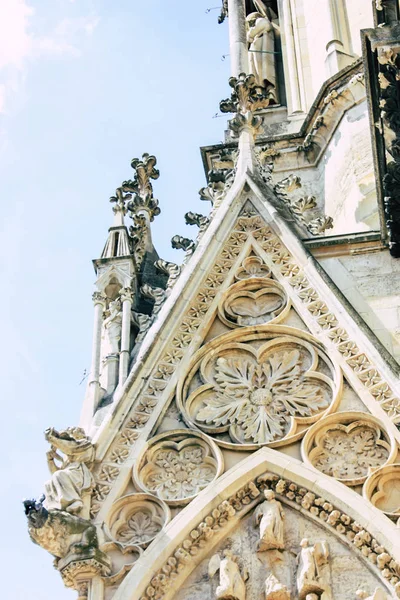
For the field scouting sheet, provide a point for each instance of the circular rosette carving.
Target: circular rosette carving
(253, 301)
(348, 446)
(382, 489)
(259, 386)
(136, 519)
(177, 465)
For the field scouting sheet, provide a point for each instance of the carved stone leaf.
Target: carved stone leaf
(256, 400)
(348, 446)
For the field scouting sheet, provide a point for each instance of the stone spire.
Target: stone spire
(118, 243)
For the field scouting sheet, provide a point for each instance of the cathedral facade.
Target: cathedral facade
(239, 437)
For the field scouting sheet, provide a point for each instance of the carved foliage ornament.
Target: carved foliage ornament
(348, 446)
(136, 519)
(258, 386)
(177, 465)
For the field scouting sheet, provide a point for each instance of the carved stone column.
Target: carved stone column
(237, 37)
(126, 299)
(99, 301)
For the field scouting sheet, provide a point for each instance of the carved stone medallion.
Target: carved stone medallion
(177, 465)
(253, 301)
(348, 446)
(136, 519)
(382, 489)
(258, 385)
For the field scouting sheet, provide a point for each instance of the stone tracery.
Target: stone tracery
(257, 395)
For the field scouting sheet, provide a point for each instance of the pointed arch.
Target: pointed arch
(151, 573)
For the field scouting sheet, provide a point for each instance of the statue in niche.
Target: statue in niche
(113, 328)
(71, 477)
(231, 583)
(261, 40)
(313, 577)
(269, 515)
(378, 594)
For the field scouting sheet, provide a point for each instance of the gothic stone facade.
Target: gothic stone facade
(239, 435)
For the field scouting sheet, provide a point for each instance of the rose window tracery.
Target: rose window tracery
(252, 388)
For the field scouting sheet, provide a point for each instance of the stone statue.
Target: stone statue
(261, 40)
(378, 594)
(71, 477)
(270, 516)
(231, 584)
(313, 571)
(275, 590)
(113, 328)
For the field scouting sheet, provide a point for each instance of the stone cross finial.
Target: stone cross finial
(120, 199)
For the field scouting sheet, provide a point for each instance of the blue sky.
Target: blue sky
(85, 85)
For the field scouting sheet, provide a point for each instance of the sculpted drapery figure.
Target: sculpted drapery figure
(112, 329)
(270, 516)
(231, 584)
(312, 573)
(71, 477)
(261, 40)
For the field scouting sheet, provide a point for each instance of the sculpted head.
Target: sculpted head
(229, 554)
(304, 543)
(269, 494)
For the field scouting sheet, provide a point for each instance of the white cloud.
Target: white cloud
(18, 45)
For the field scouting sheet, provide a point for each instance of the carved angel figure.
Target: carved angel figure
(270, 516)
(378, 594)
(312, 574)
(231, 584)
(261, 40)
(70, 474)
(112, 329)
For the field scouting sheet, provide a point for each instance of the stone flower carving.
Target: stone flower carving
(348, 446)
(178, 467)
(136, 519)
(256, 396)
(253, 301)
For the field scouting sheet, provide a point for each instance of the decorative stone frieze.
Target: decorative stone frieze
(136, 519)
(177, 465)
(258, 385)
(196, 545)
(286, 269)
(382, 489)
(348, 446)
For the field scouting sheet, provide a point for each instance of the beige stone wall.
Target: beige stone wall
(371, 283)
(359, 16)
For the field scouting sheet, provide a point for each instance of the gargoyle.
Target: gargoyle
(59, 532)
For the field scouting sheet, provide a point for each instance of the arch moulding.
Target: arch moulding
(208, 519)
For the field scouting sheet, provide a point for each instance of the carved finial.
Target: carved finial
(178, 242)
(156, 294)
(140, 187)
(201, 221)
(245, 99)
(120, 199)
(220, 180)
(168, 268)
